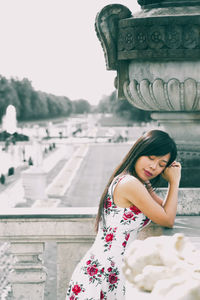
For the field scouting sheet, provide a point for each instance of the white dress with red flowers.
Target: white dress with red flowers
(99, 274)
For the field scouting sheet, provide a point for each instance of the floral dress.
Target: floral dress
(99, 274)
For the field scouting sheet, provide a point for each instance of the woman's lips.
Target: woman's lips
(147, 173)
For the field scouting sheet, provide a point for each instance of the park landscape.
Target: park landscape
(57, 153)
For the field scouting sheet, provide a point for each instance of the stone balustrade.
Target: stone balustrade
(29, 230)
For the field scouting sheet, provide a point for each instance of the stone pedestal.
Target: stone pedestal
(34, 183)
(185, 129)
(156, 53)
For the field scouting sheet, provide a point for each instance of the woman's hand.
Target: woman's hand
(172, 174)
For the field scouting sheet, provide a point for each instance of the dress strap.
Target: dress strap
(114, 183)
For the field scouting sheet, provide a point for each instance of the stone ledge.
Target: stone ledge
(50, 213)
(188, 201)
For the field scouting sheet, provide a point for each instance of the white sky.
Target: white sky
(53, 43)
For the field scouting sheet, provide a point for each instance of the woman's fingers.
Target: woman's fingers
(175, 164)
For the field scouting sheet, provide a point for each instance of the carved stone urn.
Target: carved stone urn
(156, 53)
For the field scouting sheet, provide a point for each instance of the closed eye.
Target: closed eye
(162, 166)
(151, 157)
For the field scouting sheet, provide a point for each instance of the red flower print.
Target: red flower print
(92, 270)
(127, 236)
(135, 210)
(108, 203)
(109, 269)
(128, 216)
(101, 295)
(124, 244)
(109, 237)
(145, 221)
(102, 270)
(112, 263)
(113, 278)
(76, 289)
(88, 262)
(72, 297)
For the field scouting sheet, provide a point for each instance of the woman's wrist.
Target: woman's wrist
(174, 183)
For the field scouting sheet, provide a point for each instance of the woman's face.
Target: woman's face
(149, 167)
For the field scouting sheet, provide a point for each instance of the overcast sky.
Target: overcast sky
(53, 43)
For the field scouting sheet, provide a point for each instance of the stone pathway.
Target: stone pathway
(63, 180)
(93, 174)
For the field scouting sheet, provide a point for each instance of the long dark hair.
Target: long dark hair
(153, 142)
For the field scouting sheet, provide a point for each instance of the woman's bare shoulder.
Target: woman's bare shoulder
(130, 182)
(127, 186)
(130, 179)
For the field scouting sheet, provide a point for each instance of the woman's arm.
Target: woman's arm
(134, 191)
(153, 194)
(172, 174)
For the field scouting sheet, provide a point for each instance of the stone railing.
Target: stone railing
(29, 230)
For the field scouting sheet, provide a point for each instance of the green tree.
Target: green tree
(65, 105)
(80, 106)
(52, 105)
(24, 91)
(43, 104)
(104, 105)
(122, 108)
(32, 104)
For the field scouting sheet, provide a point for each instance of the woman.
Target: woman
(128, 203)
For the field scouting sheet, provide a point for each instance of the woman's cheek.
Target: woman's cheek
(162, 170)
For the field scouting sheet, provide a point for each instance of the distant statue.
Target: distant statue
(38, 156)
(47, 132)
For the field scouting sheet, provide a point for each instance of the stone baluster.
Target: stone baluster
(29, 275)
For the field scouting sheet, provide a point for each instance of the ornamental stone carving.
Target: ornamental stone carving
(166, 3)
(169, 37)
(106, 26)
(164, 96)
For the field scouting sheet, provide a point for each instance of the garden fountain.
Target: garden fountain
(10, 132)
(9, 120)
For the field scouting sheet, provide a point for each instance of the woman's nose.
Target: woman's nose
(153, 165)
